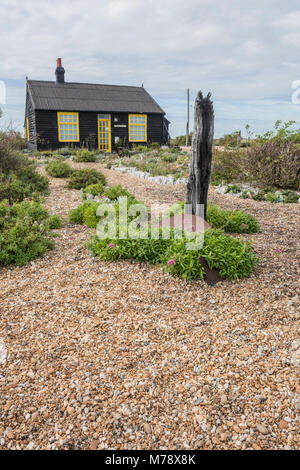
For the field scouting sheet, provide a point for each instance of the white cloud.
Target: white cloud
(237, 50)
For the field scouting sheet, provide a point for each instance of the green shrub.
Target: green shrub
(55, 222)
(275, 162)
(94, 189)
(154, 146)
(85, 214)
(169, 157)
(271, 197)
(65, 151)
(84, 155)
(231, 221)
(76, 215)
(23, 184)
(25, 231)
(290, 196)
(83, 178)
(58, 169)
(141, 148)
(227, 166)
(232, 257)
(114, 192)
(13, 139)
(234, 189)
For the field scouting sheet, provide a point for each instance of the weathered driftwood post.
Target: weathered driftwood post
(200, 167)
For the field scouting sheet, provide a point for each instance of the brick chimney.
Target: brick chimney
(59, 72)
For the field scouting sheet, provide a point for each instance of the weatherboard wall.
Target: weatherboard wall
(47, 129)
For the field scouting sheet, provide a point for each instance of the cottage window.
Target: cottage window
(138, 127)
(68, 127)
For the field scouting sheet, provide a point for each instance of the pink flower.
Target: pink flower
(243, 225)
(171, 262)
(180, 199)
(85, 226)
(111, 245)
(278, 250)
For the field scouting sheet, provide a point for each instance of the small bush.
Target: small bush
(290, 196)
(94, 189)
(55, 222)
(227, 166)
(114, 192)
(65, 151)
(25, 231)
(169, 157)
(275, 162)
(232, 257)
(234, 189)
(154, 146)
(82, 178)
(76, 216)
(58, 169)
(86, 213)
(13, 139)
(141, 148)
(231, 221)
(22, 184)
(84, 155)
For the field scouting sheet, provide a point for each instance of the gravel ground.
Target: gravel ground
(124, 356)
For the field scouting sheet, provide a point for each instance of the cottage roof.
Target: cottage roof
(47, 95)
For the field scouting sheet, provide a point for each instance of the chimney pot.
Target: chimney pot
(59, 72)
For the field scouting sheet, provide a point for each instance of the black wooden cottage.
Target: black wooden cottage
(61, 114)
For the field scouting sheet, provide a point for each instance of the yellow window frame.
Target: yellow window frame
(27, 129)
(144, 125)
(64, 113)
(104, 121)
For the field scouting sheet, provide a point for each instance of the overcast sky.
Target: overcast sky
(245, 52)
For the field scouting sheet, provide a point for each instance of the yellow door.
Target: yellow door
(104, 132)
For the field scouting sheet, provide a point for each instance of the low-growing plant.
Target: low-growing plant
(234, 189)
(231, 221)
(232, 257)
(227, 166)
(21, 184)
(65, 151)
(84, 155)
(58, 169)
(275, 162)
(82, 178)
(86, 213)
(218, 218)
(25, 231)
(94, 189)
(114, 192)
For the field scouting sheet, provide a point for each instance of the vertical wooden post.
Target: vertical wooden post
(188, 119)
(200, 166)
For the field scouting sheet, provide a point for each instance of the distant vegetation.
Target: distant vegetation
(25, 225)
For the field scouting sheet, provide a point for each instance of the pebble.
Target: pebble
(262, 429)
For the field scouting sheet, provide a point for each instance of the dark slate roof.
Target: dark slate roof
(54, 96)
